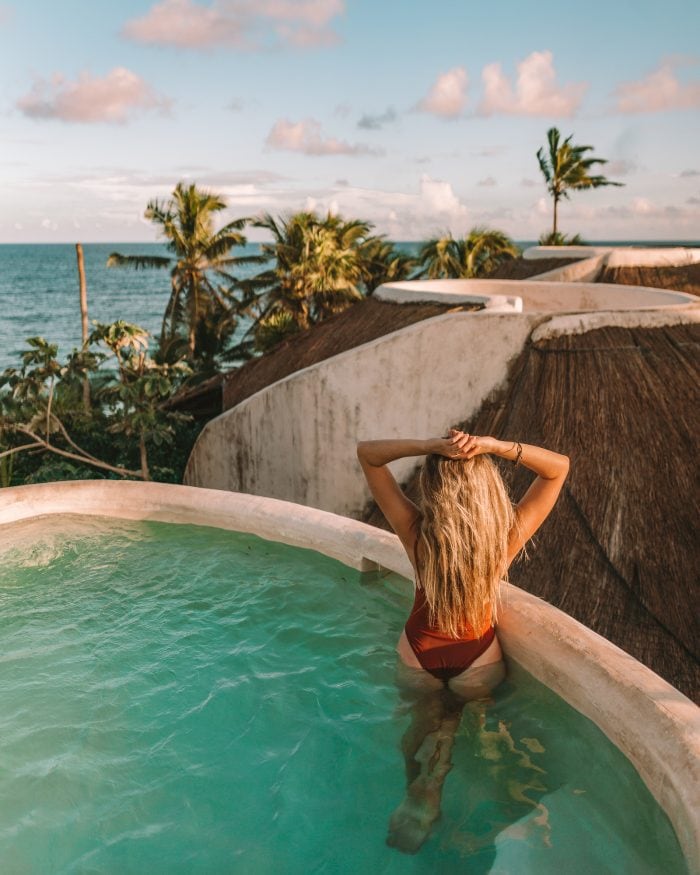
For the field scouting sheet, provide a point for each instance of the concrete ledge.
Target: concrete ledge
(533, 253)
(653, 724)
(621, 256)
(584, 271)
(544, 294)
(580, 323)
(629, 256)
(446, 291)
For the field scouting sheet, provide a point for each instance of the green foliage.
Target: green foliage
(42, 412)
(274, 328)
(476, 255)
(318, 268)
(558, 239)
(203, 307)
(566, 168)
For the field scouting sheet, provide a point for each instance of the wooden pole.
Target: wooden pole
(83, 316)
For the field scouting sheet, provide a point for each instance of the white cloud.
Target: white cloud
(306, 137)
(440, 199)
(689, 173)
(487, 182)
(660, 90)
(536, 91)
(448, 94)
(112, 98)
(376, 122)
(239, 24)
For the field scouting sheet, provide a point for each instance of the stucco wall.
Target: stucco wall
(535, 295)
(654, 725)
(621, 256)
(296, 439)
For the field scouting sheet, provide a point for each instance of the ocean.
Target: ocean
(39, 291)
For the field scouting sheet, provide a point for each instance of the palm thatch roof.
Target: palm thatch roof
(523, 268)
(620, 551)
(362, 322)
(680, 279)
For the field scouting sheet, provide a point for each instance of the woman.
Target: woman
(460, 542)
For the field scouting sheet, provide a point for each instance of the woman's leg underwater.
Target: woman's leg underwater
(427, 743)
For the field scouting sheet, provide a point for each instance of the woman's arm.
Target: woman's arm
(537, 503)
(400, 512)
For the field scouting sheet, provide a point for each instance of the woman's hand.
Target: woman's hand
(460, 445)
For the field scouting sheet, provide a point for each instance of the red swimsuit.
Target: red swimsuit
(443, 656)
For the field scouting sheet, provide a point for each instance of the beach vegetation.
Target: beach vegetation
(566, 168)
(559, 239)
(44, 424)
(477, 254)
(317, 266)
(203, 307)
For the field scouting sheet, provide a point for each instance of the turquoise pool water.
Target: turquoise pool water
(181, 699)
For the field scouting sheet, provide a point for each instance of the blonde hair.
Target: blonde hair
(466, 517)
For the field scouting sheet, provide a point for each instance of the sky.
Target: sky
(423, 118)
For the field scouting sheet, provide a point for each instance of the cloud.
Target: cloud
(376, 122)
(621, 167)
(238, 24)
(693, 200)
(490, 152)
(689, 173)
(488, 182)
(658, 91)
(536, 91)
(305, 137)
(7, 13)
(448, 94)
(112, 98)
(441, 201)
(527, 183)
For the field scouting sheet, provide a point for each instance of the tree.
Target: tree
(382, 263)
(565, 169)
(476, 255)
(317, 270)
(198, 304)
(40, 401)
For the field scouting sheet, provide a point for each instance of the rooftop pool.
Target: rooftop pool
(185, 699)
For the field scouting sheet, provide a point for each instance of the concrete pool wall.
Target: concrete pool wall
(654, 725)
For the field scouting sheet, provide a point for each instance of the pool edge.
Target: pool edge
(653, 724)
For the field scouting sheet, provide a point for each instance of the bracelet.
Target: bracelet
(518, 452)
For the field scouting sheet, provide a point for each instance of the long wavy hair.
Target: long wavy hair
(466, 517)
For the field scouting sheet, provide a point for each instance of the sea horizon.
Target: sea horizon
(39, 289)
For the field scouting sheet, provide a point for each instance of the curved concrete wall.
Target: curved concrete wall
(621, 256)
(537, 295)
(654, 725)
(418, 381)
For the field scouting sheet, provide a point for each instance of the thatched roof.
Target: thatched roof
(523, 269)
(362, 322)
(202, 401)
(621, 551)
(680, 279)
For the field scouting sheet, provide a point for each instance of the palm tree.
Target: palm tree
(317, 270)
(565, 169)
(384, 263)
(197, 303)
(476, 255)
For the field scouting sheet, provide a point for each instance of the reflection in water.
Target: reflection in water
(511, 770)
